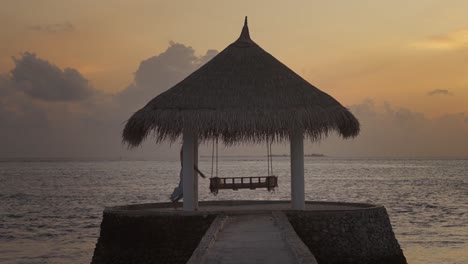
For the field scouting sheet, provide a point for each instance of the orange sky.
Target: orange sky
(395, 51)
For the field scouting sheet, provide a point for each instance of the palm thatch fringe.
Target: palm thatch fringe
(236, 126)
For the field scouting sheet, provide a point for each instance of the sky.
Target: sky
(72, 72)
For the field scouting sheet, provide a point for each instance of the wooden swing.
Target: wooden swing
(270, 182)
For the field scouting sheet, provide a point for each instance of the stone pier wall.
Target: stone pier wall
(156, 233)
(152, 238)
(352, 237)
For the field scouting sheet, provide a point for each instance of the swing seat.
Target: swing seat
(236, 183)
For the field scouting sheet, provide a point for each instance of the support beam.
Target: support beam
(190, 204)
(195, 174)
(297, 170)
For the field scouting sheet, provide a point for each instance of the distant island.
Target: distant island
(314, 155)
(254, 156)
(305, 155)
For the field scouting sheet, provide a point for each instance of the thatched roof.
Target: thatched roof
(242, 95)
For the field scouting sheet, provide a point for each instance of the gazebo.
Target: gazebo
(242, 95)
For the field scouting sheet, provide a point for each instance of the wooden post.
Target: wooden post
(297, 170)
(188, 171)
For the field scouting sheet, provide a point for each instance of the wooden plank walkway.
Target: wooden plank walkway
(252, 238)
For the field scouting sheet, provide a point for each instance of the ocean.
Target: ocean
(51, 210)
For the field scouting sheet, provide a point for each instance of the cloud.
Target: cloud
(453, 40)
(170, 66)
(43, 80)
(399, 132)
(92, 127)
(46, 111)
(18, 111)
(6, 86)
(439, 92)
(53, 28)
(159, 73)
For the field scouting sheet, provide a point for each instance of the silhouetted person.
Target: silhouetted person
(178, 192)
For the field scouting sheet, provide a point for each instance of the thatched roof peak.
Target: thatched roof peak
(243, 94)
(244, 39)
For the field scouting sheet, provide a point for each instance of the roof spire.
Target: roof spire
(244, 39)
(245, 36)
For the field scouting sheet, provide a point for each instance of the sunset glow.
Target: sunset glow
(394, 53)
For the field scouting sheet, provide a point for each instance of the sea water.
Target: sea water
(51, 210)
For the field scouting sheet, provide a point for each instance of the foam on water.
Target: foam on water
(50, 211)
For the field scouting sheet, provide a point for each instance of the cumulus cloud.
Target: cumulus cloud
(394, 131)
(18, 113)
(439, 92)
(53, 28)
(6, 88)
(43, 80)
(159, 73)
(453, 40)
(43, 109)
(40, 119)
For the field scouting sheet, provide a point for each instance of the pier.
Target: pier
(248, 232)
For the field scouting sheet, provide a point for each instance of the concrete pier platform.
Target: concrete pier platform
(248, 232)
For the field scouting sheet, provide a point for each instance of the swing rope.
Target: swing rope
(216, 157)
(213, 153)
(268, 156)
(212, 159)
(271, 158)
